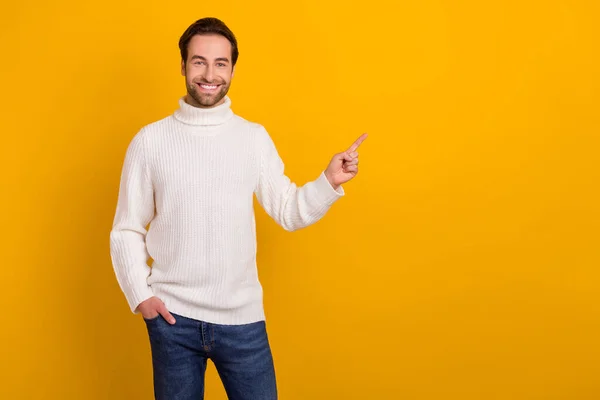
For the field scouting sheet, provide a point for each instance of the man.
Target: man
(192, 177)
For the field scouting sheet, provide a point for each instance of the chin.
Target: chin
(210, 100)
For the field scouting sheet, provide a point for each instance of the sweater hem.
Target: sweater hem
(240, 316)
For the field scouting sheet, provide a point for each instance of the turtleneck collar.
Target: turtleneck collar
(191, 115)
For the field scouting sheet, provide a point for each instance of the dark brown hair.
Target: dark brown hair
(207, 26)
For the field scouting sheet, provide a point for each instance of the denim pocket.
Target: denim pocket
(151, 319)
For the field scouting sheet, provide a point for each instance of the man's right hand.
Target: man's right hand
(154, 306)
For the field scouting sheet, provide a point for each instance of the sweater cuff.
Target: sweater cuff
(137, 296)
(326, 193)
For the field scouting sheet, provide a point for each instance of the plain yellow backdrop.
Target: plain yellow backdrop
(462, 263)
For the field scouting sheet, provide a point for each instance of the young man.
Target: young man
(192, 177)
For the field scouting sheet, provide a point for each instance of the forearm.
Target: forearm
(298, 207)
(130, 264)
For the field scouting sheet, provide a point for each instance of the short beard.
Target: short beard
(204, 100)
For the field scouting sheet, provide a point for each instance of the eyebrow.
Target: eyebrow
(216, 59)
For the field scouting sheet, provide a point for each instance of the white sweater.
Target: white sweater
(191, 177)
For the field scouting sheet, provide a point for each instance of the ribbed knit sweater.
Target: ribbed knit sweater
(186, 201)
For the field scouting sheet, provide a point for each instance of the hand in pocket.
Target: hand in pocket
(153, 307)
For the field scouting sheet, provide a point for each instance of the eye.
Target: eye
(199, 62)
(221, 64)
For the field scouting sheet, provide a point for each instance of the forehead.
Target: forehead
(209, 46)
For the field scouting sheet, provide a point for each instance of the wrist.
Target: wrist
(334, 185)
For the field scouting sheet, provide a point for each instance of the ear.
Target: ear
(233, 71)
(182, 68)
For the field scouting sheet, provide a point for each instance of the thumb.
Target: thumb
(344, 156)
(162, 310)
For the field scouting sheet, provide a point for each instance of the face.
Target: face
(208, 70)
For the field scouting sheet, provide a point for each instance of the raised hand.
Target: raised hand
(344, 166)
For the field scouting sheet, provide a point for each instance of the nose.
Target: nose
(209, 73)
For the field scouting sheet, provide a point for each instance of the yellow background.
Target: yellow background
(463, 262)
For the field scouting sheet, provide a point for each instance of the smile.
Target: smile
(208, 87)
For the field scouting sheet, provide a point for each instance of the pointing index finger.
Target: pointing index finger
(357, 142)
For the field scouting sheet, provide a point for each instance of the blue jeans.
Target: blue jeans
(240, 353)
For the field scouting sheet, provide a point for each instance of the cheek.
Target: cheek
(226, 78)
(190, 77)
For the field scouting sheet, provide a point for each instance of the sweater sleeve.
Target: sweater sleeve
(135, 209)
(292, 207)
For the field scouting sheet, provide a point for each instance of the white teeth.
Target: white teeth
(208, 87)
